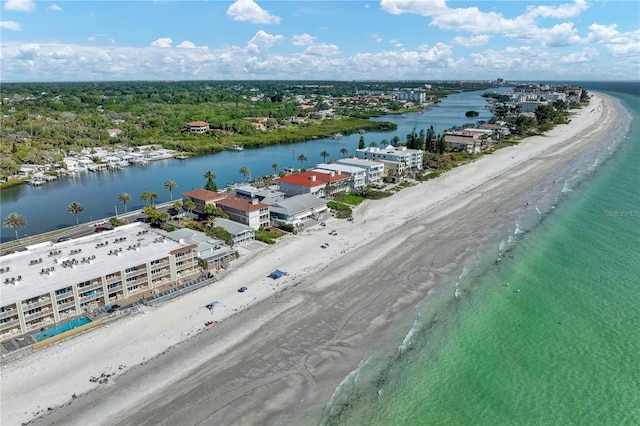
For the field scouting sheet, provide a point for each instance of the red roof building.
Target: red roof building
(202, 197)
(198, 126)
(252, 213)
(313, 182)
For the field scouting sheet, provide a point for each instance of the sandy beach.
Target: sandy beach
(279, 350)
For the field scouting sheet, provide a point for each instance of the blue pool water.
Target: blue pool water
(61, 328)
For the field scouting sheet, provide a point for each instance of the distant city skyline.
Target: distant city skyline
(319, 40)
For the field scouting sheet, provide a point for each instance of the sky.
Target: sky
(120, 40)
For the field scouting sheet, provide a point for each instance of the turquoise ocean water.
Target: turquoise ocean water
(564, 349)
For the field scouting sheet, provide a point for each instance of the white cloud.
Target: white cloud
(263, 41)
(20, 5)
(377, 38)
(302, 39)
(322, 50)
(559, 35)
(249, 11)
(418, 7)
(162, 42)
(562, 11)
(616, 43)
(189, 45)
(54, 7)
(472, 41)
(10, 25)
(475, 21)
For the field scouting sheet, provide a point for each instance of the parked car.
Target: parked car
(242, 289)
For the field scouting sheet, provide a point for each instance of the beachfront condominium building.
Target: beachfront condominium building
(411, 157)
(357, 175)
(49, 282)
(373, 169)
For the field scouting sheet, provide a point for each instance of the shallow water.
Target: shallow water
(541, 328)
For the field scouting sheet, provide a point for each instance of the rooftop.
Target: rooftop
(312, 178)
(49, 266)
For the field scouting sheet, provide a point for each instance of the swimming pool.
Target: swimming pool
(61, 328)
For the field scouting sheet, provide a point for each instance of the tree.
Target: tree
(302, 158)
(125, 198)
(244, 171)
(14, 220)
(210, 177)
(170, 186)
(148, 197)
(75, 208)
(361, 144)
(430, 145)
(344, 151)
(188, 204)
(275, 167)
(441, 145)
(156, 217)
(544, 113)
(177, 206)
(324, 155)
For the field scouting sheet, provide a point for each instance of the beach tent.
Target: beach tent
(211, 305)
(277, 274)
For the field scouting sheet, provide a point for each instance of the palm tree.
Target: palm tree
(244, 171)
(170, 186)
(75, 208)
(188, 204)
(125, 198)
(14, 220)
(149, 197)
(302, 158)
(344, 152)
(210, 221)
(210, 177)
(275, 167)
(324, 155)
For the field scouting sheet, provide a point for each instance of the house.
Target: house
(252, 213)
(203, 197)
(313, 182)
(240, 234)
(294, 210)
(198, 126)
(460, 142)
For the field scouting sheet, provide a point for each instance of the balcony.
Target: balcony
(8, 314)
(40, 314)
(9, 324)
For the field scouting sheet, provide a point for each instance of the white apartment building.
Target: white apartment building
(50, 282)
(373, 169)
(357, 175)
(411, 157)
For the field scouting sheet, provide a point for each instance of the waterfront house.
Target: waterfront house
(240, 234)
(198, 126)
(294, 210)
(358, 175)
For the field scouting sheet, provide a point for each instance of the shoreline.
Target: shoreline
(313, 273)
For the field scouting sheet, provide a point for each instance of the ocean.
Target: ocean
(543, 326)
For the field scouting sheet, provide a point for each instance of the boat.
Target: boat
(337, 136)
(235, 148)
